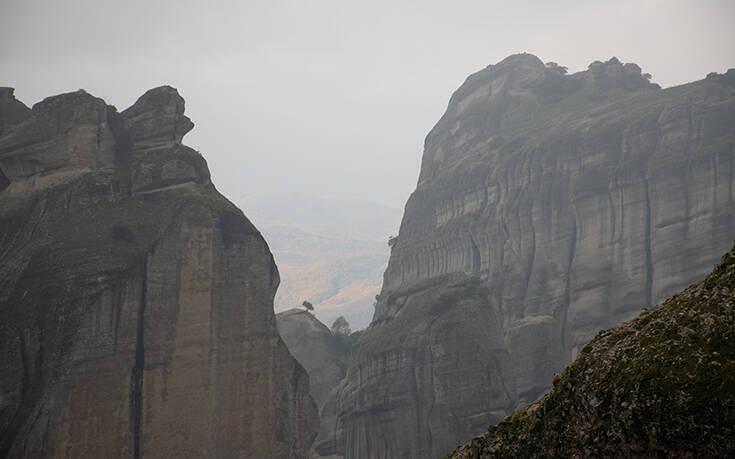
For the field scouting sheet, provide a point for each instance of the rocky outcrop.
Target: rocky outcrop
(315, 347)
(549, 207)
(324, 355)
(12, 111)
(661, 385)
(70, 133)
(136, 300)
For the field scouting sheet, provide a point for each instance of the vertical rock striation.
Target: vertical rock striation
(549, 206)
(136, 300)
(661, 385)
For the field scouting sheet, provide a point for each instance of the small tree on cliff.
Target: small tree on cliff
(341, 326)
(307, 305)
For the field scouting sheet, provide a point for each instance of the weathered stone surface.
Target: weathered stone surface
(157, 119)
(329, 443)
(12, 111)
(548, 207)
(136, 322)
(66, 132)
(324, 356)
(662, 385)
(316, 349)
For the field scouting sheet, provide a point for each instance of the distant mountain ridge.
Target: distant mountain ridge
(331, 252)
(344, 218)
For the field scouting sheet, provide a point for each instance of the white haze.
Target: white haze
(333, 98)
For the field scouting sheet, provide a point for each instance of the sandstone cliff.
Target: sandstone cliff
(662, 385)
(136, 300)
(549, 206)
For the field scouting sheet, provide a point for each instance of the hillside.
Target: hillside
(332, 252)
(661, 385)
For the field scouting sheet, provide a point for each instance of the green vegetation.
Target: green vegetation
(341, 326)
(661, 385)
(344, 337)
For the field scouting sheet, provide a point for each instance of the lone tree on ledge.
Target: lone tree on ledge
(307, 305)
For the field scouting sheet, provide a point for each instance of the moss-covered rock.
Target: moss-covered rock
(661, 385)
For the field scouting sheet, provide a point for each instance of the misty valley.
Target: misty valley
(560, 283)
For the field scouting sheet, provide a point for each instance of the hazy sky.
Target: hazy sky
(333, 98)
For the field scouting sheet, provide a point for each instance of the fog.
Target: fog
(333, 98)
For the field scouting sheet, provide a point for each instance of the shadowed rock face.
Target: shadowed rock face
(316, 348)
(548, 207)
(136, 300)
(12, 111)
(662, 385)
(324, 355)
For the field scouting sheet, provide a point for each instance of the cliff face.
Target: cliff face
(662, 385)
(324, 356)
(549, 206)
(136, 300)
(316, 348)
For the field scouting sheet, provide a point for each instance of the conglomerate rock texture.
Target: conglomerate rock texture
(549, 207)
(136, 301)
(661, 385)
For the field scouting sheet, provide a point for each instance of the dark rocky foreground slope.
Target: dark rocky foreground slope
(549, 207)
(661, 385)
(136, 301)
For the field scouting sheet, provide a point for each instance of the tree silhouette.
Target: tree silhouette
(341, 326)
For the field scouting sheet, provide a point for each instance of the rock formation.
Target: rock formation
(136, 300)
(324, 356)
(661, 385)
(316, 349)
(13, 111)
(549, 207)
